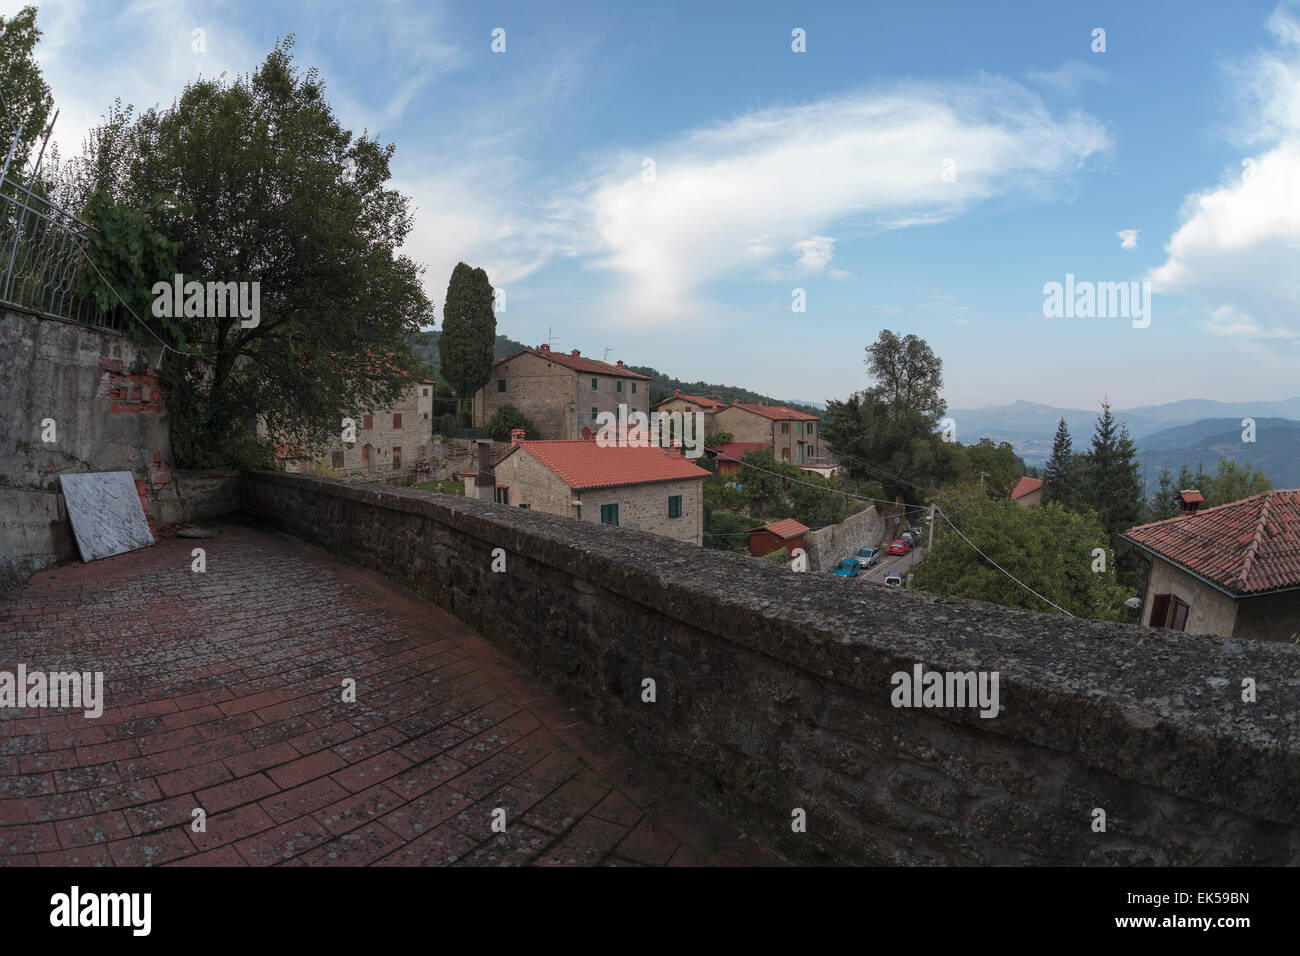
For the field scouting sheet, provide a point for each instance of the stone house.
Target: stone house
(795, 437)
(728, 455)
(561, 393)
(651, 489)
(708, 407)
(389, 440)
(1233, 570)
(786, 533)
(1028, 492)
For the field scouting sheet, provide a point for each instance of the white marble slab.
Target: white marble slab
(106, 514)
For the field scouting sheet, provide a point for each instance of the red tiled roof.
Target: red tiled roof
(736, 450)
(785, 529)
(1026, 486)
(578, 363)
(587, 464)
(1246, 547)
(1191, 495)
(776, 412)
(708, 404)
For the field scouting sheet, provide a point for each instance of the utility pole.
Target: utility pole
(930, 543)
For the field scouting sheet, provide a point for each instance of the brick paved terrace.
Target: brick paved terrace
(223, 690)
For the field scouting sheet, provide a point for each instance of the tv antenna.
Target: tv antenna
(551, 340)
(608, 349)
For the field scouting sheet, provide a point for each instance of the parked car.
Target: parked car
(896, 579)
(909, 538)
(868, 556)
(848, 568)
(900, 546)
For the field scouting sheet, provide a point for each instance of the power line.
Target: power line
(1000, 568)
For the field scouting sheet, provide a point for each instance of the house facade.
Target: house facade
(562, 393)
(708, 407)
(649, 489)
(1233, 570)
(795, 437)
(1028, 492)
(786, 533)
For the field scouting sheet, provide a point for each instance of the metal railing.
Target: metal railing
(41, 254)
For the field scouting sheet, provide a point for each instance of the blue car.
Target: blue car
(848, 568)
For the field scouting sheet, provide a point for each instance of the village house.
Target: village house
(562, 394)
(794, 436)
(1028, 492)
(388, 440)
(708, 407)
(1233, 570)
(728, 455)
(650, 489)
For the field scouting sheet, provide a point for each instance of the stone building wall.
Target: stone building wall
(1210, 611)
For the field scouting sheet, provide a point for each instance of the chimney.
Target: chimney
(484, 480)
(620, 363)
(545, 347)
(1189, 499)
(576, 354)
(677, 393)
(516, 436)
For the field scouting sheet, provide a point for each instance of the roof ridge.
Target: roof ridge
(1253, 548)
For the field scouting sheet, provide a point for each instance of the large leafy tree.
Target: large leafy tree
(267, 187)
(1233, 481)
(24, 95)
(1050, 549)
(998, 464)
(887, 431)
(469, 329)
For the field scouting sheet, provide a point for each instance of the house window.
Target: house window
(367, 422)
(594, 386)
(801, 428)
(634, 388)
(525, 506)
(397, 419)
(426, 393)
(675, 506)
(1169, 611)
(336, 459)
(397, 457)
(501, 385)
(785, 428)
(426, 416)
(785, 454)
(618, 386)
(503, 496)
(609, 514)
(801, 453)
(593, 413)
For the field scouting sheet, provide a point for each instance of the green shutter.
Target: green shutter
(675, 506)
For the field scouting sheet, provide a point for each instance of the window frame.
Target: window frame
(605, 513)
(678, 500)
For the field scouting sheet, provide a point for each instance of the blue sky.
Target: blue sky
(821, 170)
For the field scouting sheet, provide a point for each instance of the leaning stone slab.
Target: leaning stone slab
(106, 514)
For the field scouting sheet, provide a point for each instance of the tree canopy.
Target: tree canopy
(469, 329)
(24, 95)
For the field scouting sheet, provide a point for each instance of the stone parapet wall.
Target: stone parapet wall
(773, 691)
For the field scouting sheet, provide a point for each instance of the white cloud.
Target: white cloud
(868, 161)
(1238, 248)
(1128, 238)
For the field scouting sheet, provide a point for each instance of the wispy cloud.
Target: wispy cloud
(1128, 238)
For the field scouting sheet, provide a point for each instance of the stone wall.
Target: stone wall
(773, 691)
(105, 402)
(827, 546)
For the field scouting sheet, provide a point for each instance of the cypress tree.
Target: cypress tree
(1058, 466)
(1114, 486)
(469, 330)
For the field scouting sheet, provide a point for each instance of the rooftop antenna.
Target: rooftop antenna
(608, 349)
(551, 340)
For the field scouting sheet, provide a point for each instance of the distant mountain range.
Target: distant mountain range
(1192, 431)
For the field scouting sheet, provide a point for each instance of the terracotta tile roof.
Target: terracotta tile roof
(1026, 486)
(776, 412)
(1191, 495)
(1246, 547)
(586, 464)
(736, 450)
(578, 363)
(785, 529)
(708, 404)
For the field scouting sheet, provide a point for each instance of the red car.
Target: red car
(900, 546)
